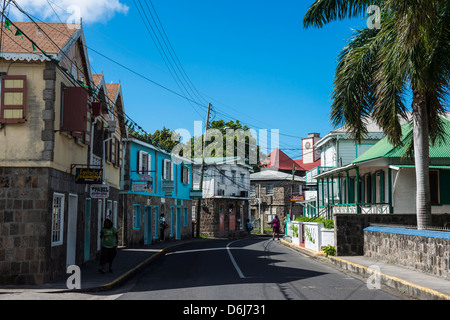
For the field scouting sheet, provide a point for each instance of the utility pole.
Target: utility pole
(292, 189)
(261, 218)
(199, 206)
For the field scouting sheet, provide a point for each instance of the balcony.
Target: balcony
(314, 172)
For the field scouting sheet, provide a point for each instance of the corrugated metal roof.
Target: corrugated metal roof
(384, 149)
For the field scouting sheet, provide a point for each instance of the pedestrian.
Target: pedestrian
(162, 227)
(249, 226)
(276, 228)
(109, 237)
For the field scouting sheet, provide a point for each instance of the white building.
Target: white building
(337, 149)
(225, 192)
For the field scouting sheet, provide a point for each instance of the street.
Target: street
(247, 269)
(256, 269)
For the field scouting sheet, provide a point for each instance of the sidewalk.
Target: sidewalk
(127, 263)
(413, 283)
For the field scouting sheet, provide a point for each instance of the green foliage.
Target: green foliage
(327, 223)
(215, 148)
(329, 250)
(294, 229)
(161, 138)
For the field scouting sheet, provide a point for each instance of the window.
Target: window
(242, 179)
(269, 188)
(144, 162)
(185, 175)
(233, 176)
(167, 170)
(222, 175)
(185, 216)
(13, 99)
(155, 222)
(434, 187)
(136, 216)
(57, 219)
(252, 190)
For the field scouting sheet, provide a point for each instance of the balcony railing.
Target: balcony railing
(314, 172)
(360, 208)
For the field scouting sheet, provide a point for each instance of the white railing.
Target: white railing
(379, 208)
(314, 172)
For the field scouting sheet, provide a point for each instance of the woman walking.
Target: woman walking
(276, 228)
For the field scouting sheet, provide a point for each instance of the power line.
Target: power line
(162, 51)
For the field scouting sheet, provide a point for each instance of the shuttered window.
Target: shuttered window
(13, 99)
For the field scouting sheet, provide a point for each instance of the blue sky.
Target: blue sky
(253, 60)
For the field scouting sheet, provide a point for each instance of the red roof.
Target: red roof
(307, 166)
(277, 159)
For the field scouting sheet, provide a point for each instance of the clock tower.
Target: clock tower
(310, 154)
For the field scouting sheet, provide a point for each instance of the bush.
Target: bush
(329, 250)
(328, 224)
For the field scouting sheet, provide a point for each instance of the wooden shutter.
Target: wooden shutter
(140, 160)
(13, 99)
(113, 150)
(74, 110)
(149, 163)
(120, 154)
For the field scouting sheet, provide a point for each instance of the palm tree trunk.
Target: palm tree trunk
(422, 159)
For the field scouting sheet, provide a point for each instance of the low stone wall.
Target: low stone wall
(423, 250)
(349, 228)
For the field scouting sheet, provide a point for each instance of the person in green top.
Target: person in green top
(109, 236)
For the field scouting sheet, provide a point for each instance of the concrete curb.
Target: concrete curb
(303, 250)
(400, 285)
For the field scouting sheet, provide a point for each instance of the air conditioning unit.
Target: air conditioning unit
(112, 126)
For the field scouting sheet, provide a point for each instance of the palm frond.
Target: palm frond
(353, 85)
(322, 12)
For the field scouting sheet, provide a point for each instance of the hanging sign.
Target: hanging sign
(100, 191)
(297, 197)
(89, 176)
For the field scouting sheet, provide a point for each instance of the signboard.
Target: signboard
(99, 191)
(297, 197)
(168, 186)
(196, 194)
(142, 187)
(145, 177)
(89, 176)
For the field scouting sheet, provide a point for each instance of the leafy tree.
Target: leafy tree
(409, 53)
(236, 141)
(160, 138)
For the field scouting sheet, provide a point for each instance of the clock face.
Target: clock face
(307, 145)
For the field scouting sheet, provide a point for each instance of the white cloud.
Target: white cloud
(71, 11)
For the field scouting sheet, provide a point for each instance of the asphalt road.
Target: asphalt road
(248, 269)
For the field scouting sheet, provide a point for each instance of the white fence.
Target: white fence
(314, 235)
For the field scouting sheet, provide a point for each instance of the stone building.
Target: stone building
(270, 194)
(225, 205)
(52, 146)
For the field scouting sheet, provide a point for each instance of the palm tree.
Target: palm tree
(409, 53)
